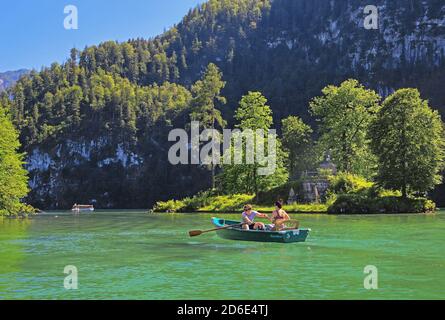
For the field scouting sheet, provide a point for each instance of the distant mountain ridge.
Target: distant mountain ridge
(9, 78)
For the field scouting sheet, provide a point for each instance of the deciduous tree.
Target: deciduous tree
(344, 113)
(408, 138)
(253, 114)
(13, 177)
(298, 143)
(206, 93)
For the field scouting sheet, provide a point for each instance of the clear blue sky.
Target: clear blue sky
(32, 33)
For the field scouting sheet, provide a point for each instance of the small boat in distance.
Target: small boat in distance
(80, 207)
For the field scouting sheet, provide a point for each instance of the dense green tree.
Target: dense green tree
(253, 114)
(345, 113)
(206, 93)
(297, 141)
(13, 177)
(408, 138)
(72, 68)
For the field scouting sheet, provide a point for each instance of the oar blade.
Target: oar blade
(195, 233)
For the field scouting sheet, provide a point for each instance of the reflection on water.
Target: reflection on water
(133, 255)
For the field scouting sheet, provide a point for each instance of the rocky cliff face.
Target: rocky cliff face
(299, 48)
(107, 174)
(63, 175)
(9, 78)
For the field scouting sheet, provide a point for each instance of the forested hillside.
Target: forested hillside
(96, 126)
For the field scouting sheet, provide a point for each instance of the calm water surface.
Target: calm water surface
(133, 255)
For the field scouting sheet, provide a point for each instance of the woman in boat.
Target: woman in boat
(279, 217)
(249, 216)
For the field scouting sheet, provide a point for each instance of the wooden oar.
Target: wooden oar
(195, 233)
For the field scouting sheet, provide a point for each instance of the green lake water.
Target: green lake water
(133, 255)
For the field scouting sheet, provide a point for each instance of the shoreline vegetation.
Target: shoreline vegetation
(13, 176)
(422, 206)
(346, 194)
(381, 156)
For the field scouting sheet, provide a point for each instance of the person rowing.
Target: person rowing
(279, 217)
(248, 217)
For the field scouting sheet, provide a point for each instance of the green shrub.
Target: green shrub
(228, 203)
(169, 206)
(18, 209)
(279, 193)
(198, 201)
(188, 204)
(429, 206)
(363, 204)
(347, 183)
(349, 204)
(380, 192)
(205, 202)
(296, 208)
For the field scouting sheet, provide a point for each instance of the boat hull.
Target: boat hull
(85, 209)
(237, 233)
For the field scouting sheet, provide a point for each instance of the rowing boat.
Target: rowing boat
(79, 207)
(237, 233)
